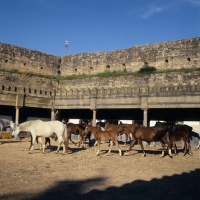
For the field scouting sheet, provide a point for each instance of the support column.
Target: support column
(17, 110)
(145, 116)
(94, 118)
(52, 115)
(16, 115)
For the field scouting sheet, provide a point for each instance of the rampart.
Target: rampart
(165, 55)
(25, 60)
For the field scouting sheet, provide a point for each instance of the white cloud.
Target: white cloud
(196, 2)
(154, 9)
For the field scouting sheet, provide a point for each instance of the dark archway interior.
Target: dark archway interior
(168, 114)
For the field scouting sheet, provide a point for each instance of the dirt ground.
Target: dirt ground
(83, 175)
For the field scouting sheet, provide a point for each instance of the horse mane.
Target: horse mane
(28, 123)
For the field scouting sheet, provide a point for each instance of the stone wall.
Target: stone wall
(25, 60)
(166, 84)
(15, 83)
(164, 55)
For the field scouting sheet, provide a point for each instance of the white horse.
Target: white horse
(39, 129)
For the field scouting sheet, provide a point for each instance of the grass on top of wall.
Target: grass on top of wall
(146, 70)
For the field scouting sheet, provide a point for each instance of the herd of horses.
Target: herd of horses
(166, 134)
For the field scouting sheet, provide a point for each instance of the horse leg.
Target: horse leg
(163, 149)
(189, 149)
(198, 146)
(120, 152)
(169, 145)
(127, 137)
(69, 138)
(131, 145)
(142, 147)
(95, 144)
(47, 140)
(32, 144)
(175, 148)
(41, 144)
(111, 145)
(60, 141)
(98, 147)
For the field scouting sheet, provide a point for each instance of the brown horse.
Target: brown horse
(113, 127)
(77, 129)
(148, 134)
(103, 136)
(180, 133)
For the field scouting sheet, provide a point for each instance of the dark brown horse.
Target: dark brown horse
(77, 129)
(180, 133)
(103, 136)
(148, 134)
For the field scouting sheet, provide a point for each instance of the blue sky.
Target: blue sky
(96, 25)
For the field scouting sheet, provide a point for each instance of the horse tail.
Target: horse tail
(66, 139)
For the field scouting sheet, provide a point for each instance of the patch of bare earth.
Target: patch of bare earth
(83, 175)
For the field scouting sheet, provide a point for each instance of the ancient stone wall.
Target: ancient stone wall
(164, 55)
(163, 84)
(25, 60)
(15, 83)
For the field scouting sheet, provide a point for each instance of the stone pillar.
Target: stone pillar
(17, 115)
(144, 107)
(52, 115)
(145, 117)
(94, 118)
(17, 110)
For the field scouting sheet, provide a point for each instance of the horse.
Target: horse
(148, 134)
(180, 133)
(77, 129)
(195, 134)
(38, 128)
(113, 127)
(103, 136)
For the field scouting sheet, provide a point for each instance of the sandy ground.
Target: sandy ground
(83, 175)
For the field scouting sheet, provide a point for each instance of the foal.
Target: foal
(77, 129)
(103, 136)
(113, 127)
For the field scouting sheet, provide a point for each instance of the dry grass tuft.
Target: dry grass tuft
(6, 135)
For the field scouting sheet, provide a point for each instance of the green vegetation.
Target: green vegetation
(142, 72)
(146, 70)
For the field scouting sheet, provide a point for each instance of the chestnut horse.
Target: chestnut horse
(148, 134)
(113, 127)
(77, 129)
(103, 136)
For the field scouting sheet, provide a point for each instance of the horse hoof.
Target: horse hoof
(126, 153)
(143, 155)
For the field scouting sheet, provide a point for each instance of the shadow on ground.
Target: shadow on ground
(184, 186)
